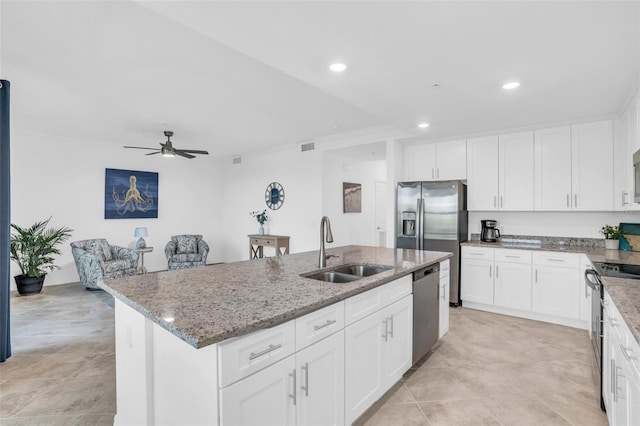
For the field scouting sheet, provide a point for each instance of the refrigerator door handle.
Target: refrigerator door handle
(419, 225)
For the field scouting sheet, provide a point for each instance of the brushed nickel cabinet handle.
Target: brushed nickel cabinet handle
(568, 205)
(293, 395)
(305, 388)
(271, 348)
(326, 324)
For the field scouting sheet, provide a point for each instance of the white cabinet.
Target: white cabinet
(443, 323)
(621, 368)
(592, 166)
(516, 172)
(482, 173)
(476, 274)
(585, 291)
(556, 284)
(320, 384)
(265, 398)
(553, 169)
(500, 172)
(378, 350)
(437, 161)
(512, 283)
(626, 142)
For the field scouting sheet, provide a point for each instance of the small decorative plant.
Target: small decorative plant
(260, 217)
(611, 232)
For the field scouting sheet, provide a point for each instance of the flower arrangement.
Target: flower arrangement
(611, 232)
(260, 217)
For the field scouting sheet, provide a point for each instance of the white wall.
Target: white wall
(65, 179)
(243, 190)
(553, 224)
(351, 228)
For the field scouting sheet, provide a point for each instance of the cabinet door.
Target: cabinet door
(585, 293)
(444, 306)
(265, 398)
(321, 382)
(516, 171)
(633, 385)
(363, 365)
(592, 166)
(398, 348)
(451, 160)
(513, 285)
(482, 173)
(620, 389)
(606, 362)
(476, 283)
(556, 291)
(421, 162)
(553, 169)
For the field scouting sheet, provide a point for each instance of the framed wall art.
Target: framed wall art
(130, 194)
(351, 197)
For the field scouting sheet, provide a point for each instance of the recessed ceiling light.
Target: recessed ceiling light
(423, 125)
(511, 85)
(337, 67)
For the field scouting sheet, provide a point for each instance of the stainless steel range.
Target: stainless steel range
(594, 281)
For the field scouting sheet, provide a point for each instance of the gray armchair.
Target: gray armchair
(186, 251)
(96, 259)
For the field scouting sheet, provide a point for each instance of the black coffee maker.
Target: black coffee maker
(490, 232)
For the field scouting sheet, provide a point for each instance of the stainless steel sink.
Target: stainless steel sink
(347, 274)
(363, 270)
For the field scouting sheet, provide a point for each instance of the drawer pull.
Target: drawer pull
(326, 324)
(511, 256)
(626, 351)
(555, 260)
(271, 348)
(475, 253)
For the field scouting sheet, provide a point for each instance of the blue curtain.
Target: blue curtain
(5, 223)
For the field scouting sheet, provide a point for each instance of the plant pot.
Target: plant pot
(29, 285)
(612, 244)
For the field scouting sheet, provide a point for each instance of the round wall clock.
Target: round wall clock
(274, 196)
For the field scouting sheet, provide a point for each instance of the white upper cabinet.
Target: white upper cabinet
(437, 161)
(626, 142)
(592, 166)
(516, 171)
(553, 169)
(482, 173)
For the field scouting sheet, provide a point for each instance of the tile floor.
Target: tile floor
(488, 370)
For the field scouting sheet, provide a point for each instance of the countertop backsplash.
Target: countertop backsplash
(536, 241)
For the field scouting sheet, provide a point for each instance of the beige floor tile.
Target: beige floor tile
(17, 364)
(522, 412)
(437, 384)
(458, 413)
(15, 394)
(95, 420)
(70, 396)
(398, 415)
(489, 380)
(581, 408)
(41, 421)
(399, 394)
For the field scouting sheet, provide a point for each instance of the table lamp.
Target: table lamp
(140, 232)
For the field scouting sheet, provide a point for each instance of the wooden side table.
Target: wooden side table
(141, 252)
(257, 242)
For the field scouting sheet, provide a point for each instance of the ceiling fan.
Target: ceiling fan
(167, 149)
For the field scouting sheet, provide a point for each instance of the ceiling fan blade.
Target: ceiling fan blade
(194, 151)
(153, 153)
(184, 154)
(140, 147)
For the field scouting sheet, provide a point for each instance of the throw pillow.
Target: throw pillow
(186, 244)
(103, 247)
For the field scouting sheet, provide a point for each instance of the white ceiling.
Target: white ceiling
(233, 77)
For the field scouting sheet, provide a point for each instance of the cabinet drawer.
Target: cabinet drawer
(515, 256)
(361, 305)
(262, 241)
(445, 265)
(551, 258)
(396, 290)
(469, 252)
(241, 356)
(319, 324)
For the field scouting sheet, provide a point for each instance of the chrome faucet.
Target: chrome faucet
(323, 258)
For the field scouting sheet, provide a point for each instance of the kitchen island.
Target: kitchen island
(220, 344)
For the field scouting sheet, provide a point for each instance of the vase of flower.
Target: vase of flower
(262, 219)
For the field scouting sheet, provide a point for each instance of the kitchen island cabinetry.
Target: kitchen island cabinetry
(445, 284)
(273, 353)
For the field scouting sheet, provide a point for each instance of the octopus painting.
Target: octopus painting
(132, 194)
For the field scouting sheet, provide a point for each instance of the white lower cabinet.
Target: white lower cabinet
(621, 369)
(445, 284)
(476, 274)
(512, 283)
(556, 284)
(378, 351)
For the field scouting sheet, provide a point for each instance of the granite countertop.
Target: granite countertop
(625, 293)
(209, 304)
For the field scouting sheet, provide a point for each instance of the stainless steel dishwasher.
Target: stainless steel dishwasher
(426, 307)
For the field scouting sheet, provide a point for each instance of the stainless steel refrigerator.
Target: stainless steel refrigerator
(433, 216)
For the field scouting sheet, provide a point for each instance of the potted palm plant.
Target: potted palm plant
(612, 236)
(32, 249)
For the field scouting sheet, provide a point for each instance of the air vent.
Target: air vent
(310, 146)
(237, 160)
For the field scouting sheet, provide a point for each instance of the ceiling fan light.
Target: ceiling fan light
(168, 152)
